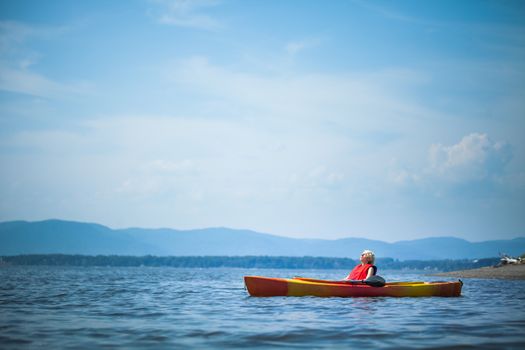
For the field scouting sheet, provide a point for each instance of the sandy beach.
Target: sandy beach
(514, 272)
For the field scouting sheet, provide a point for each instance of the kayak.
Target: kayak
(259, 286)
(267, 286)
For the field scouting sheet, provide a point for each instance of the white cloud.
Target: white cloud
(188, 13)
(476, 157)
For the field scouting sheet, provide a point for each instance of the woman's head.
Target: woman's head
(368, 257)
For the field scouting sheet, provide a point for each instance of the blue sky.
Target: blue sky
(388, 120)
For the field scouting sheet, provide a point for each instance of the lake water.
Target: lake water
(157, 308)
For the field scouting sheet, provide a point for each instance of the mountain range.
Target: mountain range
(68, 237)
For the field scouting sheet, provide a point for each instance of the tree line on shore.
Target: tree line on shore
(277, 262)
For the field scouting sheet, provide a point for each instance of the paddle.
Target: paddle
(374, 281)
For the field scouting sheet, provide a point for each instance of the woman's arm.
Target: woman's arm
(370, 272)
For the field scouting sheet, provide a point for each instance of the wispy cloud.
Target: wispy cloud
(24, 81)
(310, 98)
(387, 12)
(504, 36)
(187, 13)
(14, 35)
(294, 47)
(17, 62)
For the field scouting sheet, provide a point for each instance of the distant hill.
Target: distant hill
(66, 237)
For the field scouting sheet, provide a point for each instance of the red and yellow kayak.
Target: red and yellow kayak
(268, 287)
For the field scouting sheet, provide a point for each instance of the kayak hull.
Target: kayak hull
(267, 287)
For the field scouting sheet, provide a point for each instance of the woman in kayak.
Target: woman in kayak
(365, 269)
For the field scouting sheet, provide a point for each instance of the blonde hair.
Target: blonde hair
(370, 256)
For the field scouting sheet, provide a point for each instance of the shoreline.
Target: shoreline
(510, 272)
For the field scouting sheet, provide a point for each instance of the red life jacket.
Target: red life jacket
(361, 271)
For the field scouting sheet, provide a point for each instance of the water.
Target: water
(157, 308)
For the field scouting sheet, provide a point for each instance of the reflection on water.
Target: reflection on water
(73, 307)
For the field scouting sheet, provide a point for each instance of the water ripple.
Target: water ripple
(140, 308)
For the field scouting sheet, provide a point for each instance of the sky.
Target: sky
(387, 120)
